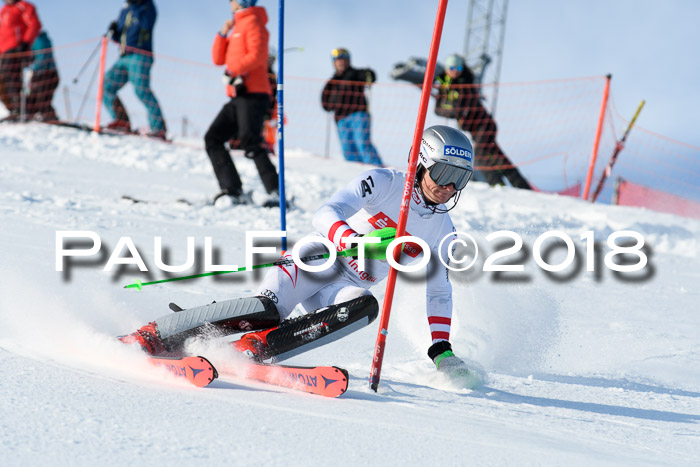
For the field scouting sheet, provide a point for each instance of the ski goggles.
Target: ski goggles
(445, 174)
(457, 68)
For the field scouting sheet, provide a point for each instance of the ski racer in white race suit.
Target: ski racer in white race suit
(369, 203)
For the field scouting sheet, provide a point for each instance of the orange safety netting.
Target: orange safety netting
(546, 128)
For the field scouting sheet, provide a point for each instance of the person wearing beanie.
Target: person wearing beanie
(460, 99)
(344, 95)
(246, 3)
(133, 30)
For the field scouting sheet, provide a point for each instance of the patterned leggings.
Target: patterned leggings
(136, 69)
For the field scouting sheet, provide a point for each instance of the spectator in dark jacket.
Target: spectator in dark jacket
(460, 99)
(134, 32)
(344, 95)
(44, 80)
(19, 27)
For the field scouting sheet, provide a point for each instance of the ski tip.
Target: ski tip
(334, 384)
(208, 376)
(327, 381)
(345, 379)
(197, 370)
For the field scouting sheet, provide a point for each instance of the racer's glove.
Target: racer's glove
(374, 250)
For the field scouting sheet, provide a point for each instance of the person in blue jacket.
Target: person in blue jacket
(133, 30)
(44, 80)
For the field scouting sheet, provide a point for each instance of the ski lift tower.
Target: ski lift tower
(483, 44)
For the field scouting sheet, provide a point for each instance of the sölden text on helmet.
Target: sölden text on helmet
(458, 152)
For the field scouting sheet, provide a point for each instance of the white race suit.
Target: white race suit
(371, 201)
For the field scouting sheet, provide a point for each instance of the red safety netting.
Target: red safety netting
(545, 128)
(650, 160)
(631, 194)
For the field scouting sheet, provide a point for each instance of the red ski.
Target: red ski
(328, 381)
(197, 370)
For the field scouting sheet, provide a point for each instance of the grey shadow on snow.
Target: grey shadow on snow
(250, 387)
(620, 383)
(499, 395)
(602, 409)
(382, 395)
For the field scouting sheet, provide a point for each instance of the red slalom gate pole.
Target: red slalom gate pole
(101, 84)
(380, 345)
(596, 142)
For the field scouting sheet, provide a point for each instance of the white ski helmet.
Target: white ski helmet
(454, 61)
(446, 154)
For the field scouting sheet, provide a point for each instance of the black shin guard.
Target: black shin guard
(307, 332)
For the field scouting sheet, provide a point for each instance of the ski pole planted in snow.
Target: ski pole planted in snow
(87, 63)
(280, 126)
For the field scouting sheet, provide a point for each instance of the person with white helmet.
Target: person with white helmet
(459, 98)
(368, 206)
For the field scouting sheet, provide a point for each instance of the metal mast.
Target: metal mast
(483, 44)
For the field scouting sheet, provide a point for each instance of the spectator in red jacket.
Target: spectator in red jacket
(19, 27)
(241, 45)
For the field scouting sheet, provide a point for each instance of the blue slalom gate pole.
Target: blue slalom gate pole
(280, 123)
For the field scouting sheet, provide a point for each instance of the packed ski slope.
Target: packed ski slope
(583, 368)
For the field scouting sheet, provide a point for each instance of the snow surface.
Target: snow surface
(584, 368)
